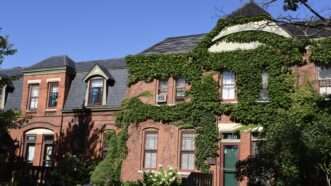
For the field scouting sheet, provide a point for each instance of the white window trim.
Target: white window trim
(3, 97)
(104, 94)
(34, 81)
(319, 79)
(53, 80)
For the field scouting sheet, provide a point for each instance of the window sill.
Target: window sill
(31, 111)
(50, 110)
(262, 101)
(230, 101)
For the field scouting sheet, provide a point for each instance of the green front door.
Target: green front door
(230, 155)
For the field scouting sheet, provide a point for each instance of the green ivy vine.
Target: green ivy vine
(276, 56)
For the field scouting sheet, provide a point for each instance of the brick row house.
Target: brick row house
(52, 93)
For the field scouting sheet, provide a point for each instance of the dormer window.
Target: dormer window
(96, 88)
(97, 85)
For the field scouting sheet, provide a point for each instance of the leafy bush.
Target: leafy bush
(161, 178)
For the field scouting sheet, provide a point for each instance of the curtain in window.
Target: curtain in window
(163, 87)
(187, 151)
(30, 152)
(53, 94)
(228, 86)
(96, 92)
(325, 80)
(180, 88)
(34, 95)
(150, 150)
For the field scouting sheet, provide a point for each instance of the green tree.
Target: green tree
(297, 145)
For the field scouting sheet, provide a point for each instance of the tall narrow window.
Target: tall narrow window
(264, 96)
(228, 86)
(162, 92)
(96, 91)
(150, 154)
(53, 93)
(30, 148)
(325, 80)
(180, 89)
(187, 151)
(48, 150)
(33, 96)
(2, 98)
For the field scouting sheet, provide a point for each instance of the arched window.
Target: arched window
(46, 147)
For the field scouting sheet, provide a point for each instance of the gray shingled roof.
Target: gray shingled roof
(53, 62)
(14, 95)
(249, 10)
(181, 44)
(117, 68)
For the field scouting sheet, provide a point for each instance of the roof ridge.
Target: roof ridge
(184, 36)
(246, 10)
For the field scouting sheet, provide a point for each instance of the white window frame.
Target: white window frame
(228, 87)
(187, 151)
(327, 81)
(104, 93)
(150, 151)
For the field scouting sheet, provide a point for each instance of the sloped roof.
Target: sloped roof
(249, 10)
(181, 44)
(53, 62)
(117, 68)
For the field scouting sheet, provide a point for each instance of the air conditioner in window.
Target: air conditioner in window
(161, 98)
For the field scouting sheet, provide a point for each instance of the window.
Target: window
(180, 89)
(187, 151)
(53, 93)
(150, 151)
(228, 86)
(48, 150)
(2, 96)
(96, 91)
(264, 96)
(162, 91)
(30, 148)
(231, 135)
(33, 96)
(325, 80)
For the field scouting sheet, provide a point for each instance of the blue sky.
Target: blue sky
(100, 29)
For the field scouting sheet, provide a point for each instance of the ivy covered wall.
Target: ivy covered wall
(276, 56)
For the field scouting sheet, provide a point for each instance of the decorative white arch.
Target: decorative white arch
(264, 25)
(40, 131)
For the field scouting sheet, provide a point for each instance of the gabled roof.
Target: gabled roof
(52, 62)
(249, 10)
(98, 69)
(181, 44)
